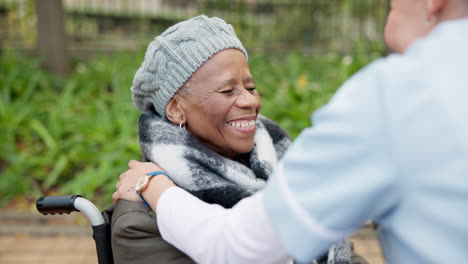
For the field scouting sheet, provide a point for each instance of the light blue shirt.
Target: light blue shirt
(392, 147)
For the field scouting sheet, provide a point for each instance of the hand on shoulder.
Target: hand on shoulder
(125, 187)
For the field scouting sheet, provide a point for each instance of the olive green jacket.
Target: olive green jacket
(136, 238)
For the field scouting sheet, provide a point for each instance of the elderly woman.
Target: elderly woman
(201, 124)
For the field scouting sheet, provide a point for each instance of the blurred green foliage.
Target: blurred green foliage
(306, 25)
(75, 136)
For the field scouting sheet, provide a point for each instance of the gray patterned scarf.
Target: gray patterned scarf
(212, 177)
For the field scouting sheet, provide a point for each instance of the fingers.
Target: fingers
(125, 192)
(125, 187)
(115, 197)
(133, 163)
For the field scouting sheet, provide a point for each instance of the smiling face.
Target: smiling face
(221, 104)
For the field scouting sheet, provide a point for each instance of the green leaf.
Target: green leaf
(59, 167)
(43, 133)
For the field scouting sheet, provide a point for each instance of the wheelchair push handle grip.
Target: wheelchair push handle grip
(57, 204)
(67, 204)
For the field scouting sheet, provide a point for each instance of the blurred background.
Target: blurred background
(67, 121)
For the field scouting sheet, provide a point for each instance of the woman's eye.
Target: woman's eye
(251, 89)
(227, 91)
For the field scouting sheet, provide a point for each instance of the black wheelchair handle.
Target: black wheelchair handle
(57, 204)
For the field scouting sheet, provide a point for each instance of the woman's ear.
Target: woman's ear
(434, 7)
(175, 112)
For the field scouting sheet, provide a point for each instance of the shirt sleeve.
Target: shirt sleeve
(209, 233)
(337, 174)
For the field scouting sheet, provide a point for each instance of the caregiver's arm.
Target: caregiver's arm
(207, 233)
(338, 174)
(211, 234)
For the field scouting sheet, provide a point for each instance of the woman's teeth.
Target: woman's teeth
(242, 123)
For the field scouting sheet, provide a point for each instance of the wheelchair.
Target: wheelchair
(51, 205)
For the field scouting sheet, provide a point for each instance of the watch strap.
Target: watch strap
(154, 173)
(144, 201)
(151, 174)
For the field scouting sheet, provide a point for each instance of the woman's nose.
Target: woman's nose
(247, 99)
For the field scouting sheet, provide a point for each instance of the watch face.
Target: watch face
(141, 183)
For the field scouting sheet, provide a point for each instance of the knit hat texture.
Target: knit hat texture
(173, 56)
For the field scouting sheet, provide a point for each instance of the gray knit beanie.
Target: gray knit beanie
(173, 56)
